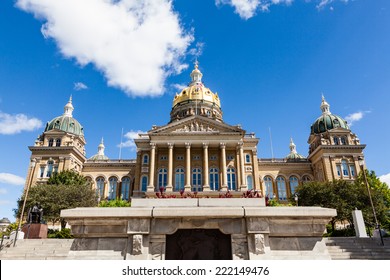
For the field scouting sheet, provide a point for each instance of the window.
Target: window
(125, 190)
(162, 178)
(293, 184)
(231, 178)
(249, 182)
(112, 188)
(269, 190)
(51, 142)
(343, 141)
(180, 158)
(145, 159)
(49, 168)
(196, 157)
(306, 179)
(230, 157)
(42, 171)
(247, 158)
(163, 158)
(213, 157)
(100, 187)
(179, 179)
(196, 180)
(214, 179)
(144, 183)
(282, 192)
(336, 140)
(58, 142)
(352, 169)
(344, 167)
(338, 167)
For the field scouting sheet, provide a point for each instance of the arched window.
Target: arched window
(196, 180)
(282, 191)
(179, 179)
(344, 167)
(336, 140)
(343, 141)
(269, 189)
(51, 142)
(231, 178)
(247, 158)
(100, 187)
(58, 142)
(144, 183)
(162, 178)
(112, 188)
(125, 190)
(145, 159)
(214, 179)
(49, 168)
(249, 181)
(293, 184)
(306, 179)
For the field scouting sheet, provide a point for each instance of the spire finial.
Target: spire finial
(101, 148)
(292, 146)
(68, 109)
(324, 105)
(196, 64)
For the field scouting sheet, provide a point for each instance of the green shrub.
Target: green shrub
(114, 203)
(61, 234)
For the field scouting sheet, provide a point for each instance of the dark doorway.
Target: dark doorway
(198, 244)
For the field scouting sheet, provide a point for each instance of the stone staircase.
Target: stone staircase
(53, 249)
(347, 248)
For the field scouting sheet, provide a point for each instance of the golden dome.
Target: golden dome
(196, 91)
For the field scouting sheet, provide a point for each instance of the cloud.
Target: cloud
(5, 202)
(354, 117)
(3, 191)
(11, 179)
(80, 86)
(129, 139)
(135, 44)
(13, 124)
(385, 179)
(248, 8)
(198, 50)
(179, 87)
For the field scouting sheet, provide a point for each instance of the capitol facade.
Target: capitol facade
(197, 151)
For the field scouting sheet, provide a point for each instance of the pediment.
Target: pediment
(196, 125)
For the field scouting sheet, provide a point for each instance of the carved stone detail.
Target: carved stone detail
(240, 247)
(138, 226)
(257, 225)
(137, 244)
(195, 127)
(259, 244)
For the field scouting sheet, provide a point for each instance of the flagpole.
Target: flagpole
(120, 146)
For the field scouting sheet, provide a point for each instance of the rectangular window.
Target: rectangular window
(42, 171)
(352, 168)
(338, 167)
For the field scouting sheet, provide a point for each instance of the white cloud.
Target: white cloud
(11, 179)
(135, 44)
(3, 191)
(129, 139)
(80, 86)
(179, 87)
(385, 179)
(354, 117)
(12, 124)
(198, 50)
(5, 202)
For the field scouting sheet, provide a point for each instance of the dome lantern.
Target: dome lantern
(68, 109)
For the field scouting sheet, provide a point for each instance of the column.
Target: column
(152, 167)
(238, 164)
(256, 181)
(242, 167)
(206, 185)
(188, 167)
(224, 173)
(170, 167)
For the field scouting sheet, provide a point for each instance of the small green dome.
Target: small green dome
(66, 122)
(328, 120)
(293, 155)
(100, 155)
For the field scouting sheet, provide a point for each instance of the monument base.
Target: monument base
(35, 231)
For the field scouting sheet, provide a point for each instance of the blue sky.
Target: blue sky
(269, 61)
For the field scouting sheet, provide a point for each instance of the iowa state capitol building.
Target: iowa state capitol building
(197, 151)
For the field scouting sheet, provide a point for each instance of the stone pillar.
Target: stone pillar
(358, 221)
(105, 192)
(333, 167)
(224, 173)
(242, 166)
(188, 167)
(157, 247)
(152, 167)
(255, 168)
(170, 167)
(240, 247)
(238, 164)
(206, 185)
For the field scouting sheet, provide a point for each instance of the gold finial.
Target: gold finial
(196, 63)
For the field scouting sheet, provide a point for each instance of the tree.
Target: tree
(64, 190)
(346, 197)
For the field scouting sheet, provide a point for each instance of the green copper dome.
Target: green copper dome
(293, 155)
(100, 155)
(66, 122)
(328, 120)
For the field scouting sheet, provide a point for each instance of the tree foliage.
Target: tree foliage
(64, 190)
(114, 203)
(346, 197)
